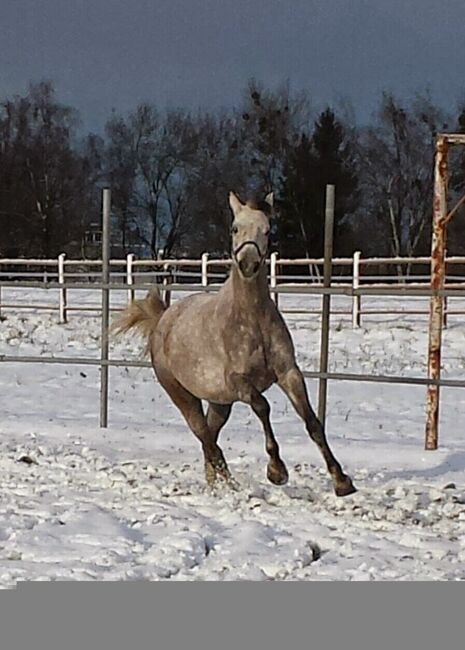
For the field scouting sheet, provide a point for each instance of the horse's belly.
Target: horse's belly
(204, 365)
(205, 381)
(213, 382)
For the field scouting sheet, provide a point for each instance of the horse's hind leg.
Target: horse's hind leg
(276, 469)
(293, 384)
(191, 408)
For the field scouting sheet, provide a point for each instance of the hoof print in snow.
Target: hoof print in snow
(316, 551)
(27, 460)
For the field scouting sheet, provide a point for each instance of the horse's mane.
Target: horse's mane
(258, 204)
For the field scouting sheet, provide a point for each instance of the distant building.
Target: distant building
(92, 244)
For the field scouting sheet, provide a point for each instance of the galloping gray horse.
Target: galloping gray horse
(230, 347)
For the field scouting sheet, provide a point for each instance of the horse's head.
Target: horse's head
(250, 233)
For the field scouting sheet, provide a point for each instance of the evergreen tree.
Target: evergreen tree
(315, 162)
(456, 227)
(458, 174)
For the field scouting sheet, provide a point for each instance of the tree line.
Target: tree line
(170, 172)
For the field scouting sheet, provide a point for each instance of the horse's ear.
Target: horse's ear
(269, 198)
(234, 203)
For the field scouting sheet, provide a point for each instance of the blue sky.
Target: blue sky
(105, 54)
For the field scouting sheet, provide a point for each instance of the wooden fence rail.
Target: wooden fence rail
(211, 271)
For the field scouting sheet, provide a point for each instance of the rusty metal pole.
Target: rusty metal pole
(438, 247)
(445, 307)
(326, 311)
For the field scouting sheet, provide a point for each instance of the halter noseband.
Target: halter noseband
(248, 241)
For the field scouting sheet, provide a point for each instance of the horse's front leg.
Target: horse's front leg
(276, 469)
(293, 384)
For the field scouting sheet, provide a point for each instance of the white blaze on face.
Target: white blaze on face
(250, 232)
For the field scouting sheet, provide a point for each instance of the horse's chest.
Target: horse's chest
(250, 354)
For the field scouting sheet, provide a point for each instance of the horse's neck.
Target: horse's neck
(253, 294)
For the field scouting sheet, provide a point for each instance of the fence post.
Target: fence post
(326, 310)
(356, 300)
(437, 282)
(204, 269)
(129, 275)
(273, 274)
(444, 313)
(166, 283)
(106, 202)
(63, 314)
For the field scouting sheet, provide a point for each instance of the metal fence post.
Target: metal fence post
(204, 267)
(437, 282)
(273, 274)
(326, 310)
(356, 300)
(63, 315)
(106, 202)
(129, 275)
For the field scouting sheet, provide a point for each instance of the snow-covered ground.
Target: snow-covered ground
(130, 502)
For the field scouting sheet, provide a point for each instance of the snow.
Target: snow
(130, 502)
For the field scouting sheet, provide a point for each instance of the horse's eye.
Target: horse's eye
(234, 230)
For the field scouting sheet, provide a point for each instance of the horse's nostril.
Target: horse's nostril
(248, 268)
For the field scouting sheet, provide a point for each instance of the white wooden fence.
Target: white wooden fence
(208, 272)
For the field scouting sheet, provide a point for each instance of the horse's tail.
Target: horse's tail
(142, 315)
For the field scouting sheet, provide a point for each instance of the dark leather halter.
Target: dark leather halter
(249, 241)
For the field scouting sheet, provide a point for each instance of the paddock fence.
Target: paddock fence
(395, 290)
(353, 277)
(285, 275)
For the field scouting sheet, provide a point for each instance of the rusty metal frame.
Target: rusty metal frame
(441, 217)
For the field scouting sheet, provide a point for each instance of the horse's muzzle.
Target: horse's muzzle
(248, 259)
(249, 268)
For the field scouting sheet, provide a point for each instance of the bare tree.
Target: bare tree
(148, 156)
(219, 166)
(43, 173)
(272, 122)
(396, 160)
(121, 164)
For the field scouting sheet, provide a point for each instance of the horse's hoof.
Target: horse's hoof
(277, 475)
(233, 484)
(210, 475)
(220, 486)
(345, 488)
